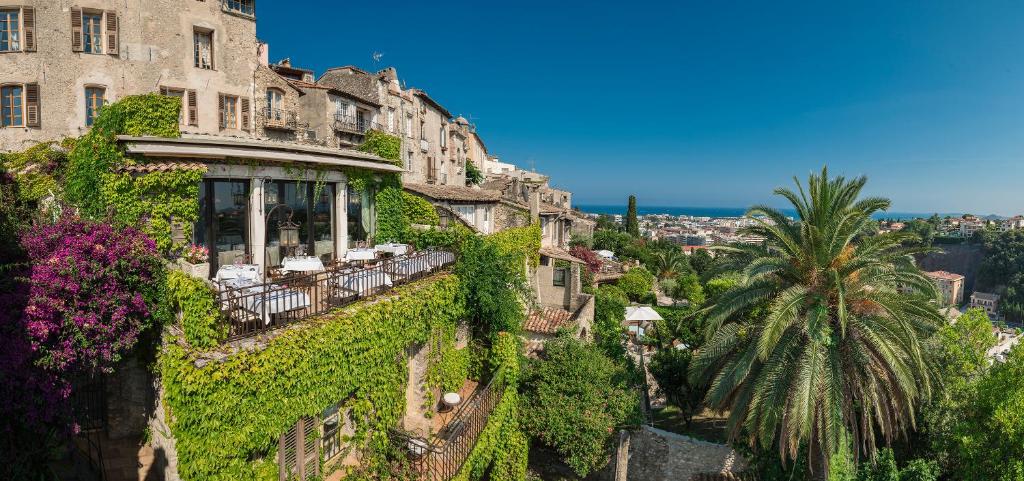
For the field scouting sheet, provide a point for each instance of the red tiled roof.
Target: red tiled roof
(948, 276)
(547, 320)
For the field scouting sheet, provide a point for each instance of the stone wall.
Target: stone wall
(507, 216)
(656, 455)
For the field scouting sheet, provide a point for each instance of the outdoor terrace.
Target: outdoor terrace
(249, 307)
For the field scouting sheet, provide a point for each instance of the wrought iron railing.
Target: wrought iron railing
(252, 309)
(280, 119)
(348, 123)
(441, 457)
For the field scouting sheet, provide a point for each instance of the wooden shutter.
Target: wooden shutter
(28, 19)
(220, 105)
(298, 451)
(193, 108)
(112, 37)
(76, 29)
(32, 114)
(245, 114)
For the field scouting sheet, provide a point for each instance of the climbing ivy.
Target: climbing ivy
(160, 198)
(196, 301)
(392, 223)
(383, 145)
(228, 412)
(37, 170)
(502, 445)
(97, 152)
(419, 210)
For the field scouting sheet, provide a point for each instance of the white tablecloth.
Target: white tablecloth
(363, 282)
(408, 267)
(360, 255)
(277, 301)
(393, 248)
(302, 264)
(439, 258)
(249, 272)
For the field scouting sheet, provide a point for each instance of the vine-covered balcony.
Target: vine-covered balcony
(280, 119)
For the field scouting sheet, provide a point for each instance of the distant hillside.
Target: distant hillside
(962, 259)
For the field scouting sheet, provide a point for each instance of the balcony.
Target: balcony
(354, 125)
(441, 457)
(251, 309)
(279, 119)
(424, 145)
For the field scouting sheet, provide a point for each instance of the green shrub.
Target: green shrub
(636, 283)
(197, 301)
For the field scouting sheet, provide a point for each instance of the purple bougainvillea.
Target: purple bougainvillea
(88, 292)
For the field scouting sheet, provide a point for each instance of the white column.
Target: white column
(341, 219)
(257, 223)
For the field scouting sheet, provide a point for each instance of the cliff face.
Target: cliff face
(962, 259)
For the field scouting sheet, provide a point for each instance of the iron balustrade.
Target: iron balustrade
(349, 123)
(252, 309)
(280, 119)
(441, 458)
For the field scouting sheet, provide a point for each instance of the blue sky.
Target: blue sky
(708, 103)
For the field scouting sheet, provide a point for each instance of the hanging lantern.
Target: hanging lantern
(289, 233)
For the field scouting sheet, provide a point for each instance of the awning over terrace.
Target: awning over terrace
(215, 148)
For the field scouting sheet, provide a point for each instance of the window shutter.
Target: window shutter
(298, 452)
(245, 114)
(193, 108)
(112, 37)
(220, 106)
(76, 29)
(32, 116)
(28, 19)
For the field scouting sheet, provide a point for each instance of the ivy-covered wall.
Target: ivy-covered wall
(197, 303)
(227, 412)
(502, 448)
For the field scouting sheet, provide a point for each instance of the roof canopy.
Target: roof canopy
(640, 314)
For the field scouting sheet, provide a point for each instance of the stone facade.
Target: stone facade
(656, 455)
(146, 45)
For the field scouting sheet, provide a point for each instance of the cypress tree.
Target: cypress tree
(632, 226)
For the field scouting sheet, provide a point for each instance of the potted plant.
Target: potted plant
(195, 261)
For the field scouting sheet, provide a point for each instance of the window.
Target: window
(189, 104)
(341, 107)
(467, 212)
(10, 30)
(391, 120)
(228, 112)
(408, 160)
(558, 277)
(94, 100)
(275, 103)
(177, 93)
(408, 125)
(245, 7)
(92, 32)
(12, 103)
(203, 46)
(444, 139)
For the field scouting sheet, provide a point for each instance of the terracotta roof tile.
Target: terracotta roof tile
(949, 276)
(454, 192)
(547, 320)
(163, 166)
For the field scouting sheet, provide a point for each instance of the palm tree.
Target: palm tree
(837, 354)
(670, 262)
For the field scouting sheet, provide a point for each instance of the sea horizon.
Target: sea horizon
(695, 211)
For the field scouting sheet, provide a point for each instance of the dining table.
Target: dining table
(360, 254)
(266, 300)
(364, 282)
(302, 264)
(393, 248)
(237, 271)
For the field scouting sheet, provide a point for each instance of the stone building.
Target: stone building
(70, 59)
(987, 301)
(951, 285)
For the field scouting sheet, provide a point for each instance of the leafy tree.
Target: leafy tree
(1002, 266)
(636, 283)
(581, 240)
(615, 241)
(701, 261)
(609, 312)
(715, 288)
(493, 284)
(670, 367)
(688, 287)
(576, 396)
(632, 225)
(473, 174)
(589, 257)
(924, 230)
(839, 349)
(988, 438)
